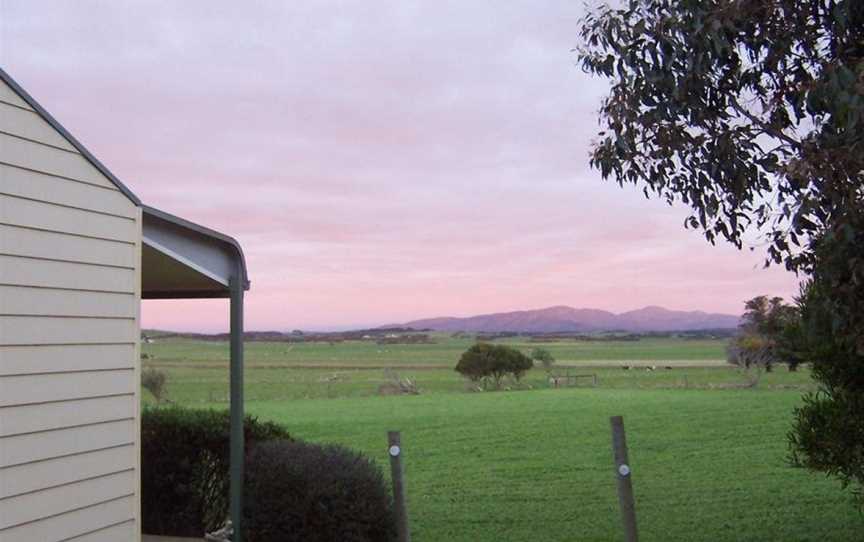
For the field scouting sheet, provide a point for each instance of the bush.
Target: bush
(184, 468)
(153, 380)
(305, 492)
(485, 362)
(544, 357)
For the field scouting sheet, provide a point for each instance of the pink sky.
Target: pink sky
(378, 163)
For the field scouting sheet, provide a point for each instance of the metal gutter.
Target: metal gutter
(207, 232)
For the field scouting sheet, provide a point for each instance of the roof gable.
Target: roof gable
(34, 105)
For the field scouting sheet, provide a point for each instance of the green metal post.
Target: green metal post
(237, 444)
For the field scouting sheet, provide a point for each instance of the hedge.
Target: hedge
(184, 467)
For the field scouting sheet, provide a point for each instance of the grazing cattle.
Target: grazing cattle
(626, 367)
(668, 367)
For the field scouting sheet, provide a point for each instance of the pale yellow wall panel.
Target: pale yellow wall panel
(26, 330)
(9, 96)
(69, 329)
(28, 272)
(32, 506)
(48, 416)
(78, 522)
(49, 444)
(63, 470)
(48, 302)
(118, 533)
(23, 389)
(30, 184)
(28, 124)
(17, 360)
(38, 157)
(46, 216)
(42, 244)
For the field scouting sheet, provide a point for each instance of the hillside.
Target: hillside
(569, 319)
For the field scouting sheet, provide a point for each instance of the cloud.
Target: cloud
(379, 162)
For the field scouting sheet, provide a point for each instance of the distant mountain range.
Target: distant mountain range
(568, 319)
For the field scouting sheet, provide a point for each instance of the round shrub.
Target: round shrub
(297, 491)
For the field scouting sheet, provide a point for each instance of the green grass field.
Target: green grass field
(708, 456)
(443, 353)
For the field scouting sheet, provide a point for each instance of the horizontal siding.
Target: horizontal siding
(30, 125)
(23, 419)
(76, 276)
(39, 475)
(27, 330)
(9, 96)
(15, 181)
(122, 532)
(29, 507)
(51, 302)
(69, 303)
(39, 157)
(46, 216)
(20, 449)
(17, 360)
(23, 389)
(75, 523)
(18, 241)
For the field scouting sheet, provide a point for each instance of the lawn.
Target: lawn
(536, 465)
(708, 454)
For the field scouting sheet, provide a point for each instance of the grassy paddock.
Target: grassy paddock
(708, 455)
(708, 465)
(205, 383)
(443, 353)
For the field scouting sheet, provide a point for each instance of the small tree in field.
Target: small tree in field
(544, 357)
(768, 325)
(485, 362)
(475, 362)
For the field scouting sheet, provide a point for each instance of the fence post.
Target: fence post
(623, 476)
(394, 450)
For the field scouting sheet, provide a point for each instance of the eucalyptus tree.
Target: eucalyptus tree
(751, 113)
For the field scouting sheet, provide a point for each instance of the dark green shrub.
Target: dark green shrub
(309, 493)
(184, 467)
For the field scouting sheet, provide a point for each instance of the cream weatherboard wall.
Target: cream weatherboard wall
(70, 252)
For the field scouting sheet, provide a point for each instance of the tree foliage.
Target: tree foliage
(828, 433)
(751, 112)
(485, 363)
(748, 111)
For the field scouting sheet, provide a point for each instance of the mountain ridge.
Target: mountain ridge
(563, 318)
